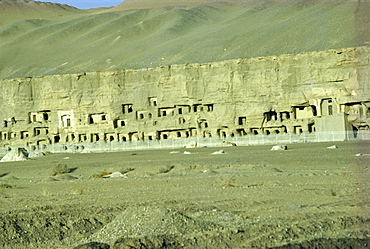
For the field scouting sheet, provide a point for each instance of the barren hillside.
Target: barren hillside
(42, 38)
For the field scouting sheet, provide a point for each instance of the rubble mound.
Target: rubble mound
(15, 154)
(149, 221)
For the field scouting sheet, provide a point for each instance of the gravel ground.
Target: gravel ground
(247, 197)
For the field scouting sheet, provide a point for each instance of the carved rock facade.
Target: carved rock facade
(306, 92)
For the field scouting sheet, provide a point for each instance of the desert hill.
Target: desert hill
(43, 38)
(142, 4)
(15, 10)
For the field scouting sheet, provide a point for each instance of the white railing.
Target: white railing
(249, 140)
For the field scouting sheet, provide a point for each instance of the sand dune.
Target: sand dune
(41, 39)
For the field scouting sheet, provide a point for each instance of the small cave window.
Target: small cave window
(314, 110)
(119, 123)
(153, 101)
(181, 120)
(127, 108)
(209, 107)
(330, 110)
(242, 120)
(271, 115)
(56, 139)
(284, 116)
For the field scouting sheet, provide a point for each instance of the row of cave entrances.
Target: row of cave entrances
(201, 131)
(167, 134)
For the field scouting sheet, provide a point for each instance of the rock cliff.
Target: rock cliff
(276, 94)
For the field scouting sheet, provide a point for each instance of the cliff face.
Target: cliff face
(236, 97)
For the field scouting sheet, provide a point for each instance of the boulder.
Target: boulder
(219, 152)
(279, 147)
(332, 147)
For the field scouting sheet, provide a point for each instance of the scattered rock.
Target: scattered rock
(191, 145)
(65, 177)
(225, 143)
(10, 178)
(49, 179)
(360, 154)
(332, 147)
(166, 169)
(209, 171)
(35, 154)
(93, 245)
(279, 147)
(158, 242)
(219, 152)
(137, 222)
(3, 174)
(115, 174)
(277, 170)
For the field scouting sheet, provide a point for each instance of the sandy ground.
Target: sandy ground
(246, 197)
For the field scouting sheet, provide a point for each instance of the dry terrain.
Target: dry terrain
(246, 197)
(45, 39)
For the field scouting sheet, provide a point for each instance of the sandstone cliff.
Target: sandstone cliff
(285, 93)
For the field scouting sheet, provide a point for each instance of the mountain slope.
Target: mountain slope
(78, 41)
(15, 10)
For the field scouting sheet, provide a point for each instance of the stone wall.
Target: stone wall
(267, 95)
